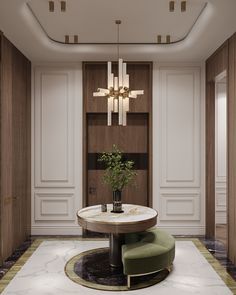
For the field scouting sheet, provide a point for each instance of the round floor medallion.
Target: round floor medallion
(91, 269)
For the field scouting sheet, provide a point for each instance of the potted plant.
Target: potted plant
(118, 174)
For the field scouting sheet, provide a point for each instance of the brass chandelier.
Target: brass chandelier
(118, 92)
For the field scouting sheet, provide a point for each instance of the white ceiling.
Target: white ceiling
(216, 23)
(94, 20)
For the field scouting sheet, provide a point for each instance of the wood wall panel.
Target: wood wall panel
(215, 64)
(210, 159)
(99, 193)
(135, 138)
(95, 76)
(232, 150)
(6, 149)
(135, 133)
(15, 147)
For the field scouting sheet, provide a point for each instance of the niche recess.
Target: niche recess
(134, 140)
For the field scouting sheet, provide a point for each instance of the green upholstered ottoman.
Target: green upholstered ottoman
(147, 252)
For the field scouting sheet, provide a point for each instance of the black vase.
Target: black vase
(117, 204)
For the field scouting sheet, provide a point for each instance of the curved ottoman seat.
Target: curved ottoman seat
(147, 252)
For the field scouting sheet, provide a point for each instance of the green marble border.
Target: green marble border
(220, 270)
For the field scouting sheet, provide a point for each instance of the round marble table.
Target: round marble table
(135, 218)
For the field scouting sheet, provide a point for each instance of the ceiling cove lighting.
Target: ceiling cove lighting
(118, 92)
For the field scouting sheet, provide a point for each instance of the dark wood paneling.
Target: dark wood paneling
(232, 150)
(95, 75)
(215, 65)
(20, 156)
(15, 147)
(6, 149)
(132, 138)
(136, 137)
(210, 159)
(99, 193)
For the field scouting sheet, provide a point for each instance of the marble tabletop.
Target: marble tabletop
(132, 214)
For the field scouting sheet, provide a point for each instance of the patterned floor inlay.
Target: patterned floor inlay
(91, 269)
(218, 250)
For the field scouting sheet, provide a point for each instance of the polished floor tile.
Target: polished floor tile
(43, 273)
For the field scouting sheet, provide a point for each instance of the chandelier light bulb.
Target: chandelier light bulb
(118, 92)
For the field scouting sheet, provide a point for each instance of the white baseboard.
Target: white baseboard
(56, 230)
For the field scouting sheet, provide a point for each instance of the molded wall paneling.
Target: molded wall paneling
(178, 170)
(221, 154)
(54, 125)
(57, 149)
(180, 135)
(52, 206)
(181, 206)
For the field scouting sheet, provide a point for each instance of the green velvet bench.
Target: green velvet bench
(147, 252)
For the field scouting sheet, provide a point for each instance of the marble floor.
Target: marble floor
(42, 271)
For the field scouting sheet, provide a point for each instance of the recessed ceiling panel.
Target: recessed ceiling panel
(93, 21)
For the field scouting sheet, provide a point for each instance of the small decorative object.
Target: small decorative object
(104, 207)
(118, 174)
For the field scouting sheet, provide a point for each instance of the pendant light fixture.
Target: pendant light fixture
(118, 92)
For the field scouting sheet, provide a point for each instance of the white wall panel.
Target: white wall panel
(178, 206)
(180, 92)
(54, 124)
(178, 142)
(49, 206)
(56, 149)
(221, 154)
(178, 145)
(221, 129)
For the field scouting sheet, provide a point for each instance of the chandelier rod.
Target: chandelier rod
(118, 22)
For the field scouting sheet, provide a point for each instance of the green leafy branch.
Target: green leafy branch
(118, 173)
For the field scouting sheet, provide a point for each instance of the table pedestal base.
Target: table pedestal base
(116, 242)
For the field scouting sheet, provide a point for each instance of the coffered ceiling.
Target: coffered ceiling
(199, 30)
